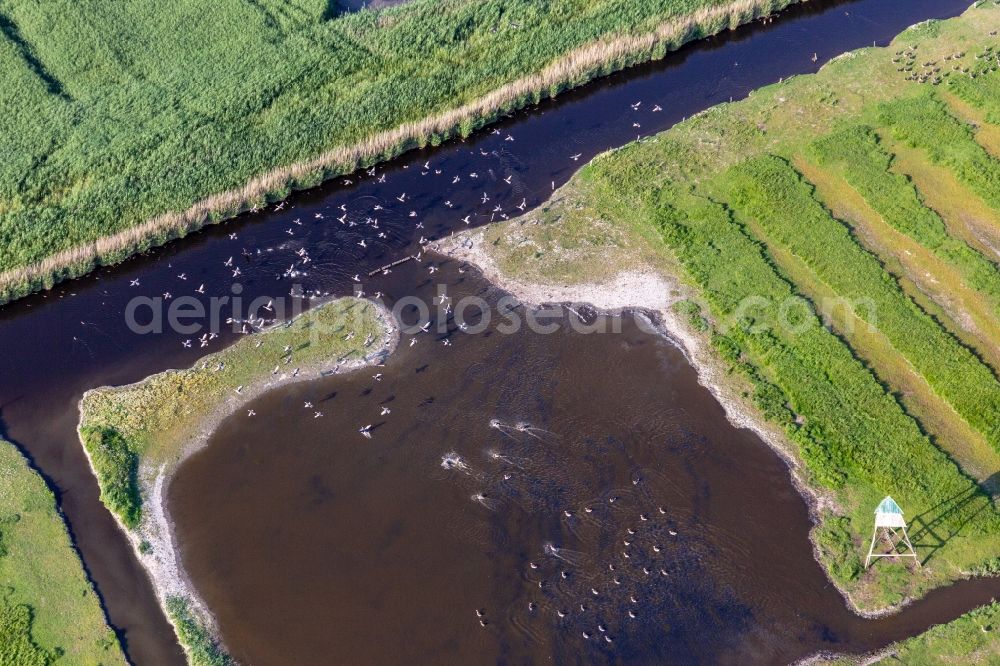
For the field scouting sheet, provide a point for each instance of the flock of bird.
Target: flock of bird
(954, 65)
(368, 221)
(372, 225)
(369, 229)
(637, 547)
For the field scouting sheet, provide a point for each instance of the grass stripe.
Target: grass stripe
(923, 122)
(857, 155)
(936, 286)
(771, 192)
(967, 216)
(852, 432)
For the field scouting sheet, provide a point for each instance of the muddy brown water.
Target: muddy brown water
(628, 522)
(55, 346)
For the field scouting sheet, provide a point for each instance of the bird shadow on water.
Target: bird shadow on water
(934, 528)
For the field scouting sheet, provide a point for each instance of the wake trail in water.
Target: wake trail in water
(452, 460)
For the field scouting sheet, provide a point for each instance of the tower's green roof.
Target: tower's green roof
(888, 505)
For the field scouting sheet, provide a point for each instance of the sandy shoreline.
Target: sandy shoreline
(651, 294)
(161, 560)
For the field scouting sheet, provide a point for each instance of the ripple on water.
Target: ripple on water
(441, 513)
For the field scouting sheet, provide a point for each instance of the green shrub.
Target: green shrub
(990, 567)
(837, 548)
(116, 466)
(17, 648)
(692, 312)
(201, 648)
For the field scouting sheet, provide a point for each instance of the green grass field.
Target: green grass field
(48, 610)
(115, 115)
(854, 307)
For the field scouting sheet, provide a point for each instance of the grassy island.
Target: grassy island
(49, 612)
(833, 242)
(136, 435)
(128, 123)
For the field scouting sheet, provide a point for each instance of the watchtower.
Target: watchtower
(890, 529)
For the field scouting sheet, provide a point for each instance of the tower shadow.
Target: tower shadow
(934, 528)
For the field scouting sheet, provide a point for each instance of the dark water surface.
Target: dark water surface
(630, 506)
(57, 345)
